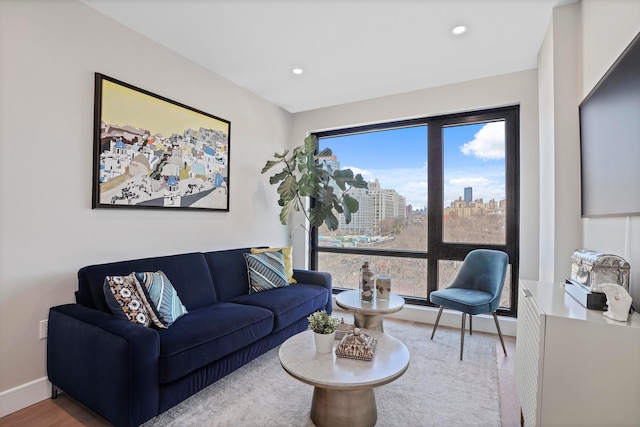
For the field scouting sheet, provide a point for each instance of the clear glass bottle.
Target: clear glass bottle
(383, 287)
(366, 282)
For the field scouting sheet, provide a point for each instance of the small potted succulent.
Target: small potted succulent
(324, 327)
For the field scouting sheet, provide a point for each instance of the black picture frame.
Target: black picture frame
(151, 152)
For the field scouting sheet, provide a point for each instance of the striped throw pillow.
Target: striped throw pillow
(266, 271)
(163, 295)
(288, 259)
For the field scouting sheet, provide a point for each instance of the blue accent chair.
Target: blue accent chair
(475, 290)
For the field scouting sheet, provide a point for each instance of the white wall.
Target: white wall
(547, 158)
(608, 26)
(49, 52)
(516, 88)
(559, 86)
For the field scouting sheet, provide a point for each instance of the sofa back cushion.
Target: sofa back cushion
(229, 272)
(188, 273)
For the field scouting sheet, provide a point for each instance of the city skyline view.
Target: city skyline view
(397, 158)
(395, 163)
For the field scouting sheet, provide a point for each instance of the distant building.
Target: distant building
(468, 195)
(464, 209)
(387, 203)
(375, 204)
(363, 221)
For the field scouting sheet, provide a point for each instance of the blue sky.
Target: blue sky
(473, 157)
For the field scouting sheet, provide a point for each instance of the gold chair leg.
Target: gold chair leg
(435, 326)
(464, 316)
(495, 317)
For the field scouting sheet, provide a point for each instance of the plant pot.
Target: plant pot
(324, 342)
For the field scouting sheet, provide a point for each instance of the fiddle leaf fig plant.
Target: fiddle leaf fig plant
(304, 174)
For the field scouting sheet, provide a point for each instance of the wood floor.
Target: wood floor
(65, 411)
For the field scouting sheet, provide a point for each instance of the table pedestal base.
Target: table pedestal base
(368, 321)
(343, 408)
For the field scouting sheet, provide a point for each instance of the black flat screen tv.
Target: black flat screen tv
(610, 140)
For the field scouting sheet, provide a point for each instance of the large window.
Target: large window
(439, 187)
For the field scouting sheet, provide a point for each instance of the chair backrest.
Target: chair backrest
(483, 270)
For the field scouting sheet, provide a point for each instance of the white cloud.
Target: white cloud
(488, 143)
(357, 171)
(469, 182)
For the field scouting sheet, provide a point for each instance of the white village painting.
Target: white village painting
(156, 153)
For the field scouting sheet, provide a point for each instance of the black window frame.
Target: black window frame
(437, 249)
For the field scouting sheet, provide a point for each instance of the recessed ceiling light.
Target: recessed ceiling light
(297, 71)
(460, 29)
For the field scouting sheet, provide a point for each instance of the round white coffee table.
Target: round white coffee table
(343, 388)
(369, 314)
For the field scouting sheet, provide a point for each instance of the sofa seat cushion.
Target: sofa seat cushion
(288, 304)
(207, 334)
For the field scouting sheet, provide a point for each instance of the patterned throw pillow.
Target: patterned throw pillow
(123, 299)
(163, 295)
(156, 320)
(288, 259)
(266, 271)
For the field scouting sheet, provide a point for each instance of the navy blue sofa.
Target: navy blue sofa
(129, 373)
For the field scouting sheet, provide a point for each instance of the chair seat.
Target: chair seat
(468, 301)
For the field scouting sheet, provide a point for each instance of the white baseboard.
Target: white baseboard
(20, 397)
(36, 391)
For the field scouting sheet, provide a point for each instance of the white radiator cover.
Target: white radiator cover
(529, 351)
(574, 367)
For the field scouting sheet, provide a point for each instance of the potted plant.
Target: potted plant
(324, 327)
(303, 175)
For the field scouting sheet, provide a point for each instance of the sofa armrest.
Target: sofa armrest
(313, 277)
(108, 364)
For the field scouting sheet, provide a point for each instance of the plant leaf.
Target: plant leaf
(284, 212)
(350, 204)
(345, 175)
(311, 144)
(269, 165)
(347, 216)
(288, 188)
(359, 182)
(331, 221)
(278, 177)
(316, 216)
(325, 153)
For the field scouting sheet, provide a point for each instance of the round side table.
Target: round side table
(369, 314)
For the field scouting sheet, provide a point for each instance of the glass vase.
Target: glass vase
(366, 282)
(383, 286)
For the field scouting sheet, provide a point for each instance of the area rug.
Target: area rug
(437, 390)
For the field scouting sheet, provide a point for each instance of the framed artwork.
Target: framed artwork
(154, 153)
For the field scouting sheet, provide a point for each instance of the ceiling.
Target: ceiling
(350, 50)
